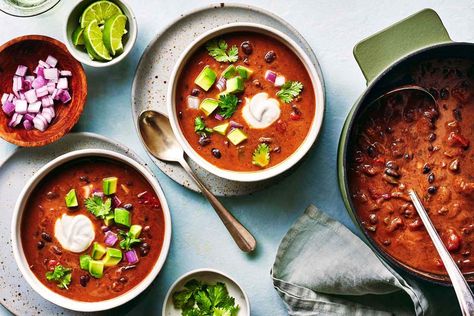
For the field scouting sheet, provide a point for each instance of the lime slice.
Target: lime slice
(77, 36)
(113, 32)
(94, 41)
(100, 11)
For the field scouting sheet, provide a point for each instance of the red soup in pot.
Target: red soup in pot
(245, 101)
(408, 141)
(92, 229)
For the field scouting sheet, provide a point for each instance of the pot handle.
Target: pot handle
(375, 53)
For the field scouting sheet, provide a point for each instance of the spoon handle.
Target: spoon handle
(463, 292)
(239, 233)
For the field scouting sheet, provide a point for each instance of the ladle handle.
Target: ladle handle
(239, 233)
(463, 292)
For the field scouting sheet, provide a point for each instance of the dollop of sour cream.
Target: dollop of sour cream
(260, 111)
(74, 233)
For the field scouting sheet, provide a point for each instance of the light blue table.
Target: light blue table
(199, 239)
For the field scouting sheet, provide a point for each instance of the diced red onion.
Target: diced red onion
(193, 102)
(29, 78)
(47, 116)
(51, 74)
(98, 193)
(220, 84)
(43, 64)
(49, 110)
(10, 97)
(235, 124)
(65, 73)
(26, 85)
(116, 201)
(131, 256)
(34, 107)
(279, 81)
(16, 119)
(40, 123)
(30, 96)
(270, 76)
(8, 108)
(47, 101)
(21, 96)
(64, 96)
(17, 83)
(42, 91)
(218, 117)
(4, 98)
(110, 238)
(62, 83)
(51, 87)
(50, 60)
(39, 82)
(21, 70)
(27, 125)
(21, 106)
(29, 117)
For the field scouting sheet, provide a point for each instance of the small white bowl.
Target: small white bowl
(80, 54)
(247, 176)
(208, 276)
(19, 254)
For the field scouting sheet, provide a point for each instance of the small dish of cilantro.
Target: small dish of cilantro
(206, 293)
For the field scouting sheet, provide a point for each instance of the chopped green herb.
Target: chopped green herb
(200, 127)
(261, 155)
(228, 105)
(98, 207)
(218, 50)
(289, 91)
(199, 298)
(128, 240)
(60, 275)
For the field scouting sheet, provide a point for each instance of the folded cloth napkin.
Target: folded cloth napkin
(322, 268)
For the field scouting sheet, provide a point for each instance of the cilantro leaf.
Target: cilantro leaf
(97, 207)
(128, 241)
(217, 293)
(261, 155)
(203, 301)
(218, 50)
(289, 91)
(200, 127)
(60, 275)
(228, 105)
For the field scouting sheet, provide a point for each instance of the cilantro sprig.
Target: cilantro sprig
(200, 127)
(98, 207)
(228, 105)
(199, 298)
(60, 275)
(128, 241)
(289, 90)
(218, 50)
(261, 155)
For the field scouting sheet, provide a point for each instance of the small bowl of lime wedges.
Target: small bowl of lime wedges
(101, 33)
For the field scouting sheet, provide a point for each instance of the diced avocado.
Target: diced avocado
(229, 72)
(109, 219)
(221, 129)
(206, 78)
(98, 251)
(244, 72)
(122, 217)
(109, 185)
(84, 261)
(234, 85)
(236, 136)
(208, 106)
(135, 230)
(112, 257)
(71, 199)
(96, 268)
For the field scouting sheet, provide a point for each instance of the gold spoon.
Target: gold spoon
(159, 140)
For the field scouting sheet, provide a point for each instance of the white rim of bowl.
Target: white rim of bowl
(19, 255)
(305, 146)
(127, 48)
(196, 271)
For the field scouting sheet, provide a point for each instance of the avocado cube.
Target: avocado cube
(206, 78)
(109, 220)
(122, 217)
(236, 136)
(229, 72)
(84, 261)
(110, 185)
(244, 72)
(96, 268)
(71, 199)
(208, 106)
(234, 85)
(135, 230)
(221, 129)
(98, 251)
(112, 257)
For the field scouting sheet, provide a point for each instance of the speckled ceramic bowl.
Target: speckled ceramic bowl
(249, 176)
(19, 255)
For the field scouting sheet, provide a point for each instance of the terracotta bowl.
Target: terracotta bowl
(28, 50)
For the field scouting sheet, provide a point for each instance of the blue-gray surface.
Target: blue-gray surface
(199, 239)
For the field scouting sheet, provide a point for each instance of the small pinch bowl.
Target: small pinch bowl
(81, 55)
(19, 255)
(208, 276)
(28, 50)
(317, 120)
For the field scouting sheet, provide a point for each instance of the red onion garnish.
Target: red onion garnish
(110, 238)
(270, 76)
(131, 256)
(218, 117)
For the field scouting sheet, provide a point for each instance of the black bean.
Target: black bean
(426, 168)
(84, 179)
(40, 244)
(123, 280)
(128, 207)
(195, 92)
(270, 56)
(204, 140)
(144, 249)
(51, 195)
(56, 250)
(392, 173)
(146, 229)
(84, 279)
(432, 189)
(392, 165)
(444, 94)
(246, 47)
(432, 137)
(216, 153)
(431, 178)
(371, 151)
(257, 83)
(180, 114)
(457, 114)
(46, 237)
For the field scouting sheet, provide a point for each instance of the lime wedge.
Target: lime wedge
(77, 36)
(113, 32)
(100, 11)
(94, 41)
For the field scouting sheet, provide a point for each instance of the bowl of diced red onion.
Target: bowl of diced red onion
(43, 90)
